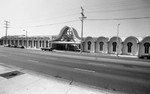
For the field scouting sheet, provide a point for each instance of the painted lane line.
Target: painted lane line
(33, 61)
(79, 69)
(23, 54)
(96, 64)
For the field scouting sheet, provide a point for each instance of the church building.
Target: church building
(68, 39)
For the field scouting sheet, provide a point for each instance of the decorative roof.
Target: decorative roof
(67, 34)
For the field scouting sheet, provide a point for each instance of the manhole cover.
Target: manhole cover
(11, 74)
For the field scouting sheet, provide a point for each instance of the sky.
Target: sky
(48, 17)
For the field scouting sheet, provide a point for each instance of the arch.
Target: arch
(87, 38)
(63, 31)
(89, 44)
(76, 33)
(113, 47)
(130, 46)
(144, 47)
(101, 45)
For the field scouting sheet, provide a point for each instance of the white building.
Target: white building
(69, 37)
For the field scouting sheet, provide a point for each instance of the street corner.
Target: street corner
(14, 80)
(5, 68)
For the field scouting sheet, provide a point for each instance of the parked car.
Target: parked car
(20, 47)
(7, 45)
(145, 56)
(47, 49)
(74, 48)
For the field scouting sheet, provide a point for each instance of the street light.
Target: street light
(118, 38)
(26, 37)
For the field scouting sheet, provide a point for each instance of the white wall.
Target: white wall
(105, 46)
(134, 49)
(142, 48)
(86, 45)
(110, 46)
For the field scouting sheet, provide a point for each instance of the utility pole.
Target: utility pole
(6, 26)
(82, 19)
(118, 39)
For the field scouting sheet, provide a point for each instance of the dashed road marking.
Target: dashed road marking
(85, 70)
(97, 64)
(33, 61)
(23, 54)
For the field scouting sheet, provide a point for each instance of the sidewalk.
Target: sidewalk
(20, 81)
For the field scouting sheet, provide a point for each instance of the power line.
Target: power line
(43, 25)
(116, 10)
(117, 6)
(56, 17)
(135, 18)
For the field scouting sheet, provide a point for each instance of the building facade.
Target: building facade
(29, 42)
(68, 38)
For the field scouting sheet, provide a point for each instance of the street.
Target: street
(119, 74)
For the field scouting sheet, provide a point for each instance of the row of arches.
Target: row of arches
(116, 45)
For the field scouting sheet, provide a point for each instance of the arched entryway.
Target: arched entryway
(144, 48)
(113, 47)
(89, 45)
(101, 45)
(130, 46)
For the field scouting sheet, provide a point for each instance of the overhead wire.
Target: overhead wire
(134, 18)
(96, 10)
(116, 6)
(117, 10)
(43, 25)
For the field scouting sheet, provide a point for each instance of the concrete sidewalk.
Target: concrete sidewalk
(28, 82)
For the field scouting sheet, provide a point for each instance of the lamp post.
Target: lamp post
(117, 39)
(82, 19)
(26, 38)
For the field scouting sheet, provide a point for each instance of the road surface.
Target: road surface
(127, 75)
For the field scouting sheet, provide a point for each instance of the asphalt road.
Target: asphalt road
(119, 74)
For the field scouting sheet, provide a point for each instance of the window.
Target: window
(89, 45)
(146, 45)
(24, 42)
(20, 42)
(101, 46)
(34, 43)
(12, 42)
(114, 44)
(16, 42)
(30, 43)
(8, 41)
(40, 43)
(46, 43)
(129, 44)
